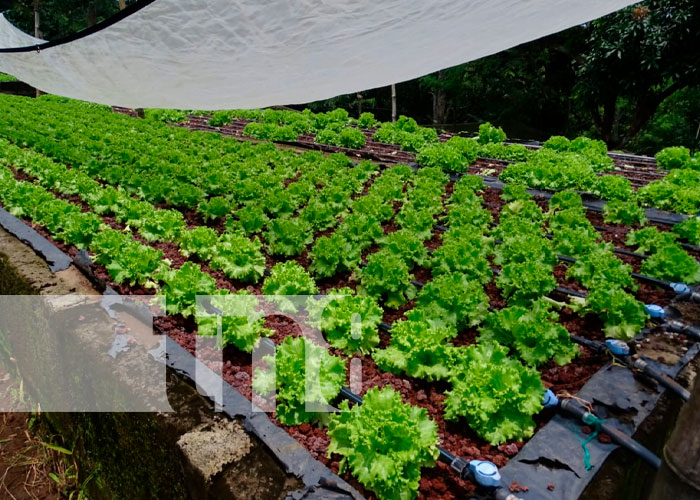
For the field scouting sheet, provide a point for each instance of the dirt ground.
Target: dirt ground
(31, 467)
(24, 461)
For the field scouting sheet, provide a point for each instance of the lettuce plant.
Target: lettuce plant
(472, 215)
(162, 225)
(420, 222)
(288, 237)
(601, 268)
(443, 156)
(466, 255)
(239, 257)
(127, 260)
(406, 245)
(333, 254)
(672, 263)
(673, 157)
(386, 276)
(418, 349)
(288, 278)
(628, 213)
(214, 208)
(251, 218)
(623, 316)
(495, 393)
(522, 282)
(452, 300)
(533, 332)
(304, 373)
(181, 287)
(200, 241)
(488, 134)
(649, 239)
(78, 229)
(384, 442)
(360, 230)
(689, 230)
(241, 325)
(349, 322)
(366, 120)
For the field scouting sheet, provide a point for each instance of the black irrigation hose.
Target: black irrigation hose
(637, 276)
(687, 246)
(676, 326)
(620, 438)
(634, 181)
(638, 364)
(591, 206)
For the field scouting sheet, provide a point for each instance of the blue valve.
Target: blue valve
(680, 288)
(485, 473)
(550, 400)
(617, 347)
(655, 311)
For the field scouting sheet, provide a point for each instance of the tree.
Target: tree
(443, 86)
(60, 18)
(634, 60)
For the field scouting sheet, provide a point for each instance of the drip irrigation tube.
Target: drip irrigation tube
(622, 352)
(679, 327)
(687, 246)
(573, 408)
(589, 202)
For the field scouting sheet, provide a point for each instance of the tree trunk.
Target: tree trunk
(645, 107)
(91, 13)
(679, 476)
(609, 110)
(37, 29)
(393, 103)
(439, 101)
(645, 110)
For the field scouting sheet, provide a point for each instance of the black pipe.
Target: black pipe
(620, 438)
(683, 328)
(598, 347)
(547, 194)
(638, 364)
(661, 378)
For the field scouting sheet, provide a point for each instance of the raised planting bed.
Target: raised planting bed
(459, 256)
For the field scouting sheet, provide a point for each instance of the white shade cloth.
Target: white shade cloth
(13, 37)
(225, 54)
